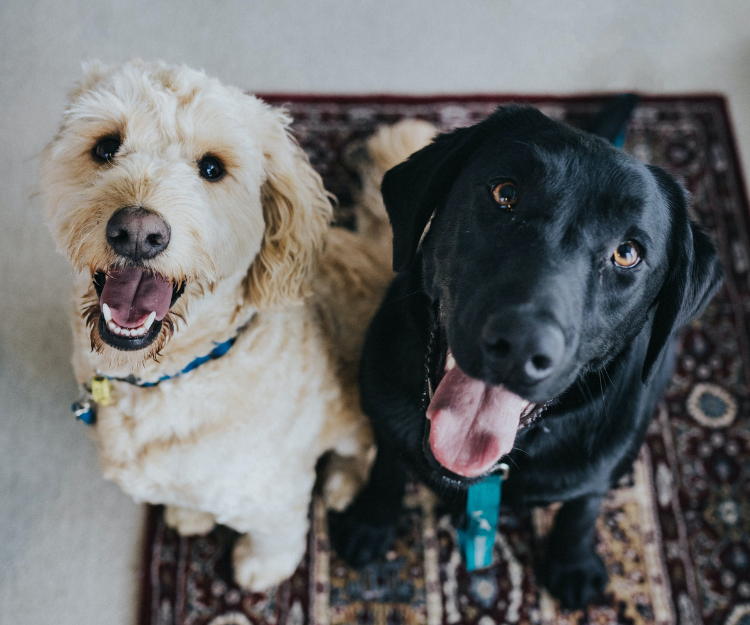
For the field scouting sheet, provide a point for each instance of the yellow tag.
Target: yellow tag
(100, 390)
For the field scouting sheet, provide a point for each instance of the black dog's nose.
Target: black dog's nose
(522, 346)
(137, 233)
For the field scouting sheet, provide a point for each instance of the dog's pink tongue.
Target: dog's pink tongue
(473, 424)
(132, 294)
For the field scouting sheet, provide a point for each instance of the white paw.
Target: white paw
(189, 522)
(339, 490)
(259, 572)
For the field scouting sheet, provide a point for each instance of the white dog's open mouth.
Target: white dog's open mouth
(133, 304)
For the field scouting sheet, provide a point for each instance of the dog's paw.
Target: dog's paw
(339, 489)
(189, 522)
(356, 542)
(259, 572)
(575, 582)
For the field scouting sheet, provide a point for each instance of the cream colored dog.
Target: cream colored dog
(193, 219)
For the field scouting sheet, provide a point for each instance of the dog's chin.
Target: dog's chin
(439, 476)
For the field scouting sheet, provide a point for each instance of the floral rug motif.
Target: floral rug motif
(675, 536)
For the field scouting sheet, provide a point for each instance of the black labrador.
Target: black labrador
(543, 275)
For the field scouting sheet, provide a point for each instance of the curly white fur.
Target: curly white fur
(235, 441)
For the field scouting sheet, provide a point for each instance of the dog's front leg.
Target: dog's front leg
(367, 528)
(189, 522)
(572, 571)
(268, 555)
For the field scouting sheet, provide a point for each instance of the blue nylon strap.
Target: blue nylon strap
(216, 352)
(84, 411)
(482, 512)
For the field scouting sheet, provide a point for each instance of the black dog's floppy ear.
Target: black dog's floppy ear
(694, 274)
(412, 189)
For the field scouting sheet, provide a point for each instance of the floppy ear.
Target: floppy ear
(693, 277)
(297, 214)
(413, 190)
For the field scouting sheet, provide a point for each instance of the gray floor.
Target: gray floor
(69, 542)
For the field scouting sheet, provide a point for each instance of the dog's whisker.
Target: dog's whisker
(604, 398)
(513, 461)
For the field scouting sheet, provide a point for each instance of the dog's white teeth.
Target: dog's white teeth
(141, 330)
(450, 362)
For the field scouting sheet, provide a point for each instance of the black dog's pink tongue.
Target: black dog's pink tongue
(132, 294)
(473, 424)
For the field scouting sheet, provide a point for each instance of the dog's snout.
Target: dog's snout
(137, 234)
(522, 346)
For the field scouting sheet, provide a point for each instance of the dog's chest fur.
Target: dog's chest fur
(240, 435)
(226, 424)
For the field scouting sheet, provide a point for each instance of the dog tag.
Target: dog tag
(84, 412)
(477, 538)
(100, 390)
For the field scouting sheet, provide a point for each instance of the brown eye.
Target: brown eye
(626, 255)
(504, 194)
(106, 148)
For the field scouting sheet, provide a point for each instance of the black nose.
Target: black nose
(137, 234)
(523, 346)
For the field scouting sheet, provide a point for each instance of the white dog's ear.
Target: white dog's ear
(297, 212)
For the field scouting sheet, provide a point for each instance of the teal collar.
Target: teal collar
(477, 538)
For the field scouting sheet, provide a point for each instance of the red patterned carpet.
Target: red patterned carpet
(676, 538)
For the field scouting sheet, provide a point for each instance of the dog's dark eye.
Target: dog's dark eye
(211, 168)
(504, 194)
(626, 255)
(106, 149)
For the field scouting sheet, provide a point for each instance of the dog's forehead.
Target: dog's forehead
(156, 107)
(575, 189)
(572, 170)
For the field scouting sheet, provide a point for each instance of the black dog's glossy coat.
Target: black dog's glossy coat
(482, 270)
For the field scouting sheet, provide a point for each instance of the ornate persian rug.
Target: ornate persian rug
(676, 536)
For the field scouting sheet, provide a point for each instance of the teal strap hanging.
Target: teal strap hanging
(477, 538)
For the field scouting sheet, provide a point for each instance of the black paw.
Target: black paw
(576, 581)
(358, 543)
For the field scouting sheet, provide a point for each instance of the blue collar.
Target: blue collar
(216, 352)
(85, 408)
